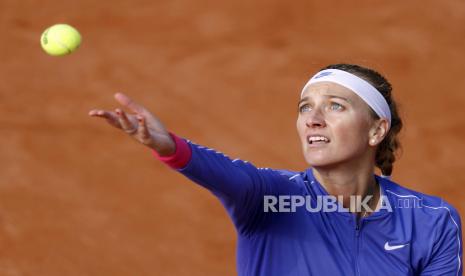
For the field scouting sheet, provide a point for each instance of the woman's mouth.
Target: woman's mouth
(316, 140)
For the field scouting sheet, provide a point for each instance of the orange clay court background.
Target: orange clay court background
(78, 197)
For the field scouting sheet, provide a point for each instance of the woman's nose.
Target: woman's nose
(315, 119)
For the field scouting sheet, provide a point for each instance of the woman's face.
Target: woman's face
(334, 125)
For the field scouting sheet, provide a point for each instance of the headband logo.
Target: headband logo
(323, 74)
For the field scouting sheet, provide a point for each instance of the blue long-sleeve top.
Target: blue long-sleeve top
(418, 235)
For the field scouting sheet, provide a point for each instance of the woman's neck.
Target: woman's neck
(348, 181)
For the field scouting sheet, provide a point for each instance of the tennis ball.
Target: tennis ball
(60, 40)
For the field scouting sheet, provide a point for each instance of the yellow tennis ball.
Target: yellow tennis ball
(60, 40)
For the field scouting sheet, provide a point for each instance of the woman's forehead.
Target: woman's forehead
(329, 89)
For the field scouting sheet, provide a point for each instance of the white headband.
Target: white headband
(359, 86)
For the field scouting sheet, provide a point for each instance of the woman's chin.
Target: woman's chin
(318, 162)
(317, 157)
(322, 160)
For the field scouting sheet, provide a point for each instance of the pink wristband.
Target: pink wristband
(180, 157)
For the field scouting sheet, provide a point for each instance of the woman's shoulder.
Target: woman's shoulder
(430, 205)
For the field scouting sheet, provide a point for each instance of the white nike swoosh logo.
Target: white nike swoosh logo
(393, 247)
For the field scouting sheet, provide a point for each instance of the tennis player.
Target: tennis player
(337, 217)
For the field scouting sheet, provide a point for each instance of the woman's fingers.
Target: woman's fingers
(111, 117)
(125, 123)
(151, 121)
(129, 103)
(143, 131)
(93, 112)
(159, 141)
(142, 126)
(97, 113)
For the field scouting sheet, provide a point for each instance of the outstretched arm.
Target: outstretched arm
(239, 185)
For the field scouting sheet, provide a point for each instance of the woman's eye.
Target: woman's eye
(304, 108)
(336, 106)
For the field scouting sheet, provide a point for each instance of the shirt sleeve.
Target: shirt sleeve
(239, 185)
(446, 258)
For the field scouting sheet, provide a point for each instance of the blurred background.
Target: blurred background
(79, 198)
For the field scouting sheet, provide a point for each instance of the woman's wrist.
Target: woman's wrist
(167, 147)
(179, 156)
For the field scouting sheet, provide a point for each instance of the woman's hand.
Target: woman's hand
(142, 125)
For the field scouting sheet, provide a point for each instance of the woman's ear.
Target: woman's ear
(378, 131)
